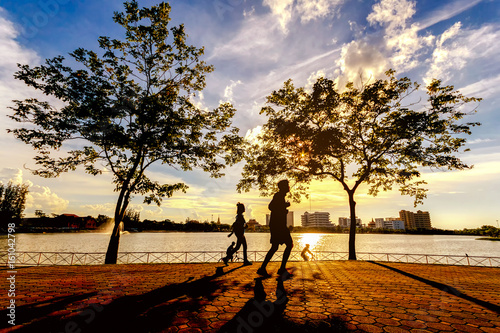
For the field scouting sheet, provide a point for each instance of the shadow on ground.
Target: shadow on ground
(260, 315)
(446, 288)
(156, 310)
(149, 312)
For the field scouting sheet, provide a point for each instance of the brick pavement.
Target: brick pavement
(334, 296)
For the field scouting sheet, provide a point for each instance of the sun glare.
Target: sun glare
(311, 239)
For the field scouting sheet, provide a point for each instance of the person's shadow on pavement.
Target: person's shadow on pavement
(259, 314)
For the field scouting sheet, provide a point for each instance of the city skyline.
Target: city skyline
(255, 47)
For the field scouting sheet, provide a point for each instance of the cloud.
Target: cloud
(476, 141)
(447, 11)
(38, 197)
(361, 61)
(11, 175)
(396, 46)
(393, 14)
(401, 38)
(308, 10)
(95, 210)
(486, 88)
(282, 9)
(311, 80)
(314, 9)
(457, 47)
(42, 198)
(254, 43)
(252, 134)
(11, 52)
(228, 92)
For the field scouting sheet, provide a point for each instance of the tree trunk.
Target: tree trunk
(352, 230)
(114, 242)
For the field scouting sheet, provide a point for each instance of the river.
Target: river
(185, 242)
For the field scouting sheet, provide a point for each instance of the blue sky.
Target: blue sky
(255, 46)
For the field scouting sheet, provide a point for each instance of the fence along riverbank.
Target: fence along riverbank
(97, 258)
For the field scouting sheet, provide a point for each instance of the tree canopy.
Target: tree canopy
(12, 201)
(127, 108)
(379, 135)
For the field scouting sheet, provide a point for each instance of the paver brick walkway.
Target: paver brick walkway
(334, 296)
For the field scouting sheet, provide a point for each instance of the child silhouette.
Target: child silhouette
(238, 228)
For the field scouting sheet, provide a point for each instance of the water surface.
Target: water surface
(182, 242)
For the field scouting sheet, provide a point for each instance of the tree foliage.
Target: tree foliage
(12, 201)
(377, 135)
(128, 108)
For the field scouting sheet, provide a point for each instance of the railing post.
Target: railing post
(147, 260)
(186, 258)
(387, 257)
(39, 258)
(426, 258)
(468, 262)
(72, 256)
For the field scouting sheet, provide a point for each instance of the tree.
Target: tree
(12, 201)
(369, 131)
(127, 109)
(40, 214)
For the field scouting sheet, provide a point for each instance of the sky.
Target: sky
(255, 46)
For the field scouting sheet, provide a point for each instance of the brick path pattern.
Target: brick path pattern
(332, 296)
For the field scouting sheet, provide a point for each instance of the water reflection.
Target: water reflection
(179, 241)
(314, 240)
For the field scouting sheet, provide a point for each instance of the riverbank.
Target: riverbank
(338, 296)
(489, 239)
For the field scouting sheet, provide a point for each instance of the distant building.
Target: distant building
(289, 219)
(389, 223)
(408, 218)
(418, 220)
(398, 225)
(63, 222)
(345, 222)
(379, 223)
(372, 224)
(316, 219)
(253, 224)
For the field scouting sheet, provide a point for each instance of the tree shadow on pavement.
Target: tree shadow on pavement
(443, 287)
(260, 315)
(34, 311)
(149, 312)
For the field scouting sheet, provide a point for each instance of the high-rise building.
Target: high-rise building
(345, 222)
(408, 218)
(418, 220)
(316, 219)
(422, 220)
(289, 219)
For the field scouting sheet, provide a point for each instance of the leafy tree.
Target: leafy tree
(131, 219)
(40, 214)
(12, 201)
(127, 109)
(367, 131)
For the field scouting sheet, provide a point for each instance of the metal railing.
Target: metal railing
(80, 258)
